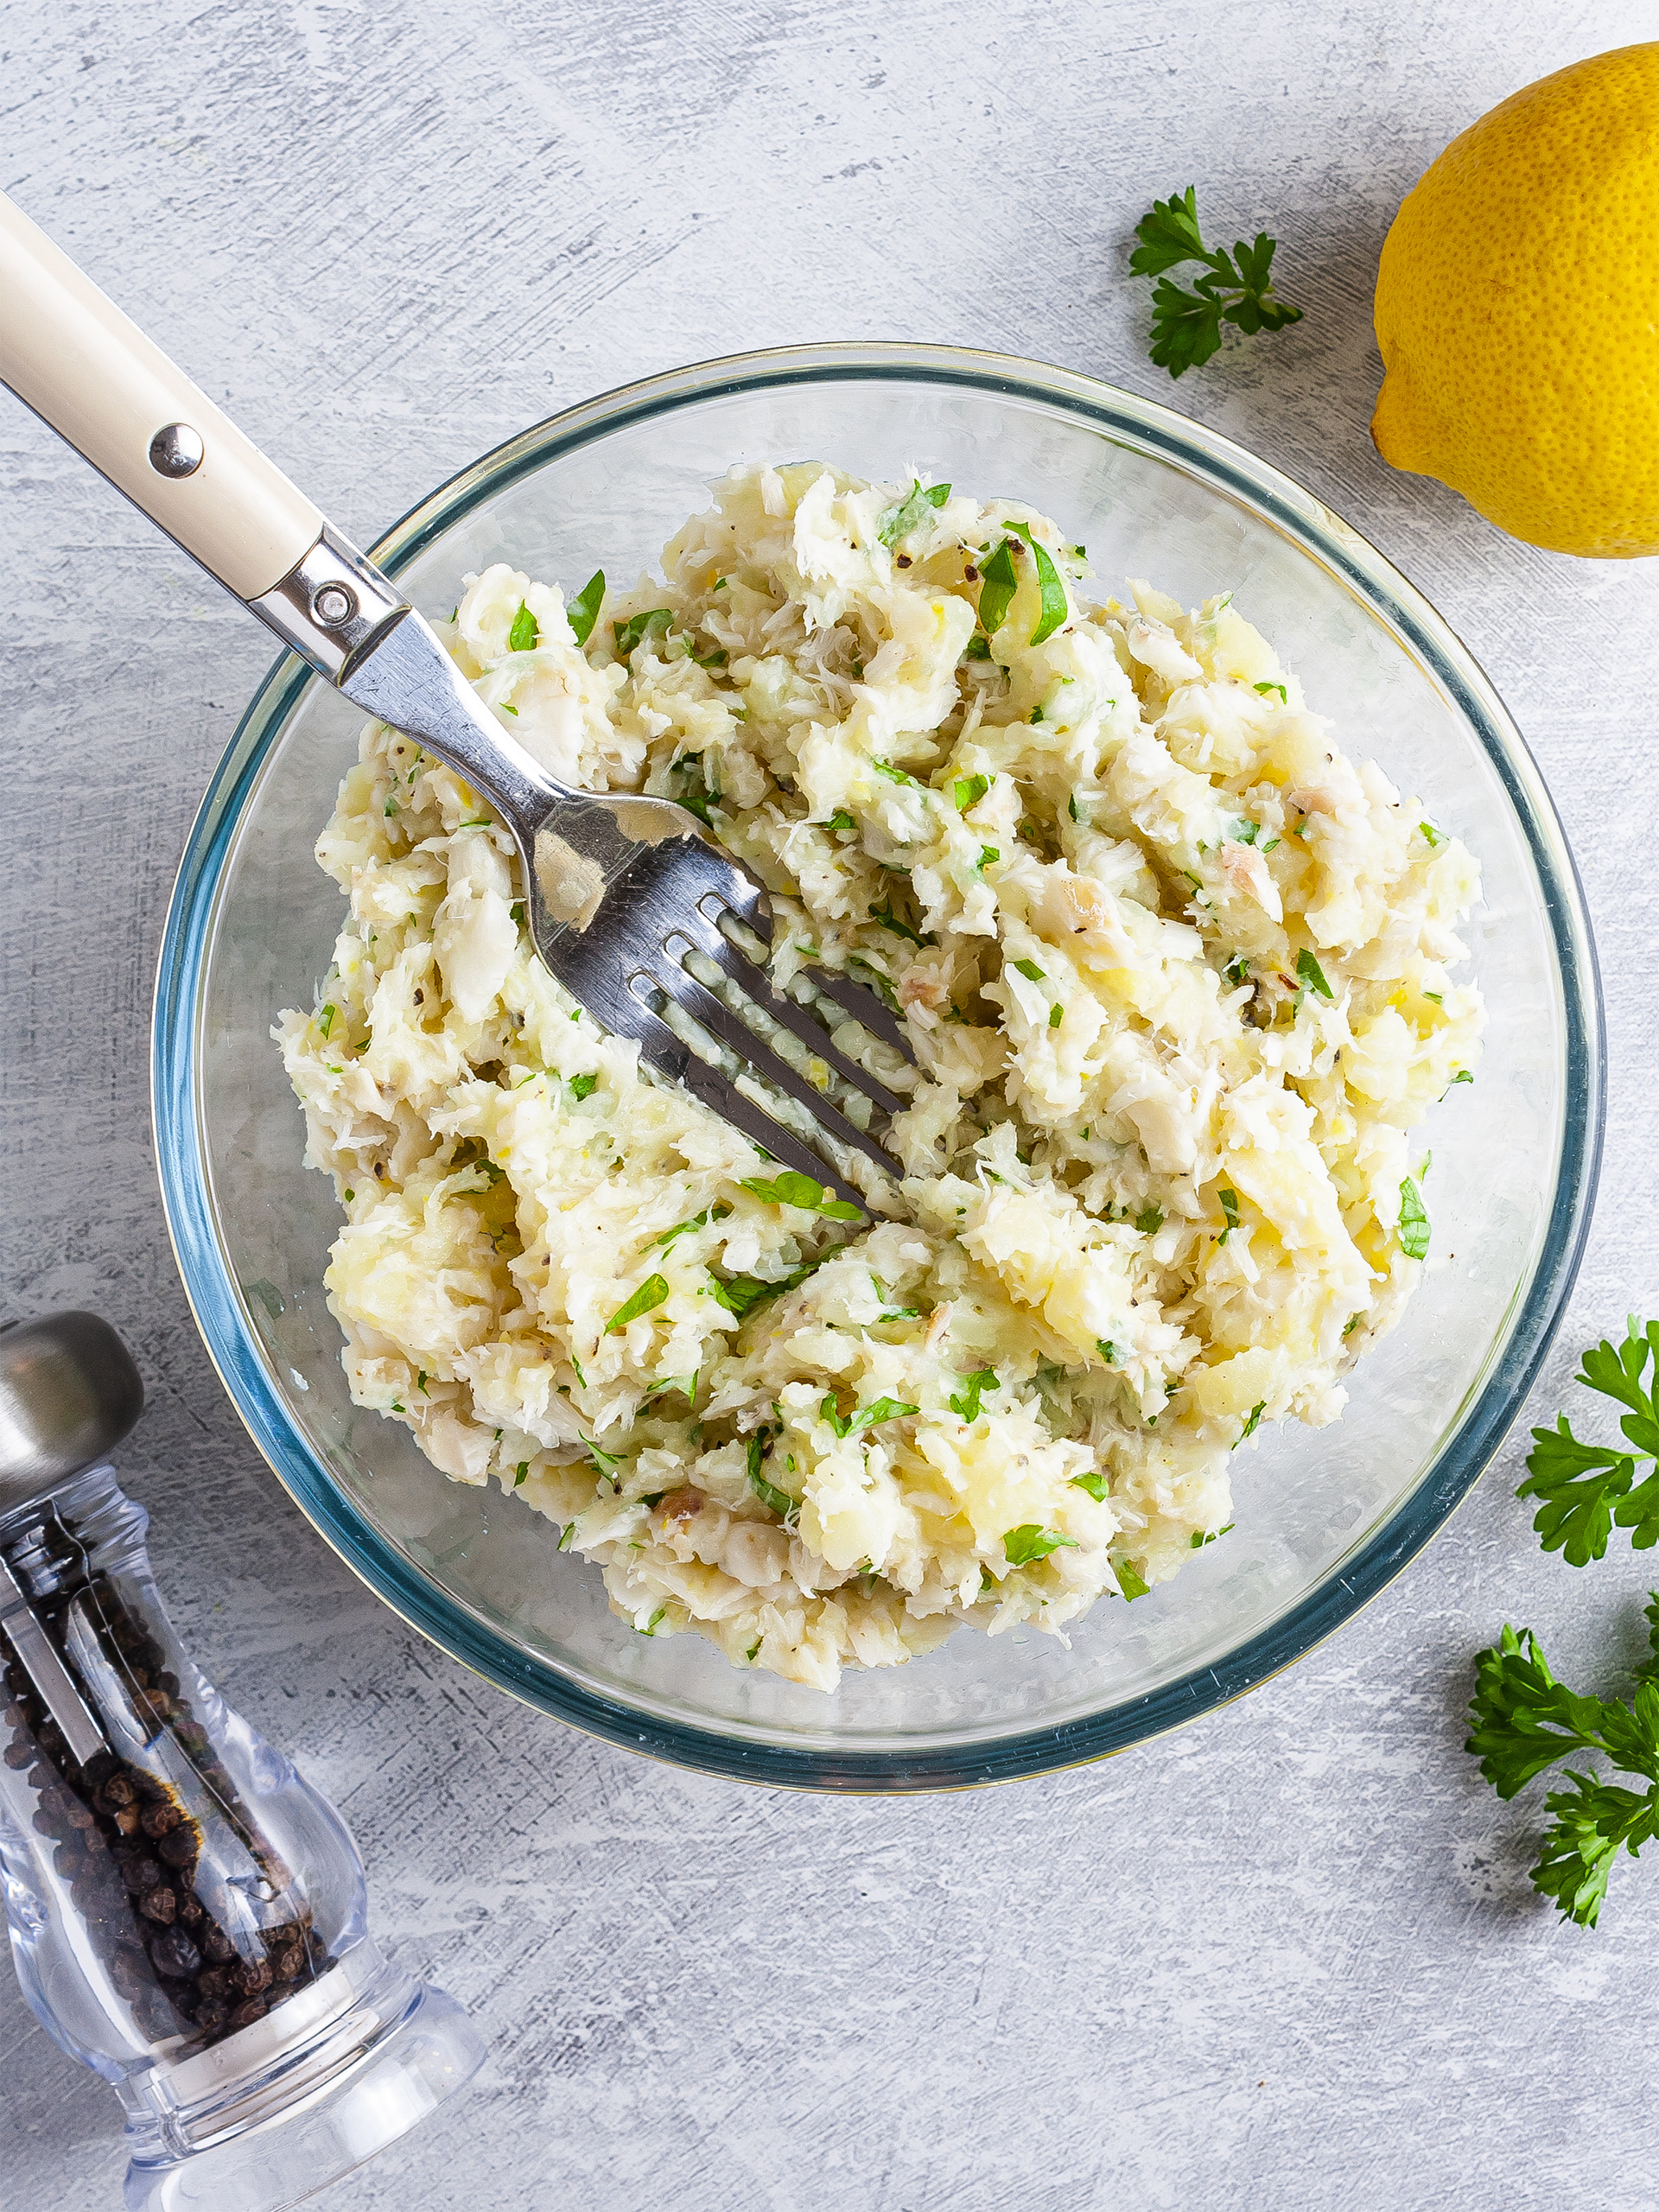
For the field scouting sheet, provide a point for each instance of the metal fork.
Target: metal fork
(619, 888)
(613, 883)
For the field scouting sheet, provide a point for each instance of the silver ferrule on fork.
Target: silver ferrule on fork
(331, 604)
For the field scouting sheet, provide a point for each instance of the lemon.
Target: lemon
(1517, 310)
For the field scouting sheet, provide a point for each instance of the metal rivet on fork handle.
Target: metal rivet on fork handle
(176, 450)
(334, 606)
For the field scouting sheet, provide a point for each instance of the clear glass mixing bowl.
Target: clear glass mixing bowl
(1324, 1517)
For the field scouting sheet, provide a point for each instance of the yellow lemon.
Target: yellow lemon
(1517, 310)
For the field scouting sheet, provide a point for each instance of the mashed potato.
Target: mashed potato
(1175, 973)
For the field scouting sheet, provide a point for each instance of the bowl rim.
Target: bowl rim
(1354, 1580)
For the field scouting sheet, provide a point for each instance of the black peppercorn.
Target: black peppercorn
(250, 1975)
(173, 1953)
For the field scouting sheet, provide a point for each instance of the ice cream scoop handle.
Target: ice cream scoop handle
(70, 355)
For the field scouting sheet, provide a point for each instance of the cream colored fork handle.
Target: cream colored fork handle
(70, 355)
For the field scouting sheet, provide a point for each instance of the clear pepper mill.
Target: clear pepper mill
(186, 1914)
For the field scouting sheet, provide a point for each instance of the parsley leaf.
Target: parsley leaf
(790, 1188)
(1149, 1221)
(744, 1293)
(1252, 1424)
(638, 627)
(968, 791)
(650, 1295)
(1096, 1484)
(583, 1086)
(1236, 288)
(841, 820)
(893, 775)
(869, 1416)
(697, 799)
(1284, 695)
(974, 1386)
(1128, 1581)
(1230, 1209)
(1413, 1222)
(525, 633)
(1524, 1721)
(583, 611)
(1312, 975)
(781, 1502)
(889, 920)
(680, 1228)
(1052, 610)
(1586, 1489)
(1026, 1545)
(911, 513)
(997, 586)
(685, 1384)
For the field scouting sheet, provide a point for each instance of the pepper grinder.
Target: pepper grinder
(186, 1914)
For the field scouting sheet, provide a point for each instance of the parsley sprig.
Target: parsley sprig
(1524, 1721)
(1236, 288)
(1585, 1489)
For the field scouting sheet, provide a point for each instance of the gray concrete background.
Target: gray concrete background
(1288, 1957)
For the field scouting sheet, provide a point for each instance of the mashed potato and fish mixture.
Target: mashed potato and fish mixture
(1175, 973)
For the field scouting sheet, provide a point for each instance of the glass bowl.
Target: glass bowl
(1323, 1518)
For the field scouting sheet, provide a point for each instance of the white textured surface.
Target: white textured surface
(1288, 1957)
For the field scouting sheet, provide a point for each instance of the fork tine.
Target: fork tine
(733, 884)
(864, 1006)
(721, 1096)
(696, 1000)
(672, 1057)
(796, 1019)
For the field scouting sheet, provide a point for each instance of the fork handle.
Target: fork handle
(70, 353)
